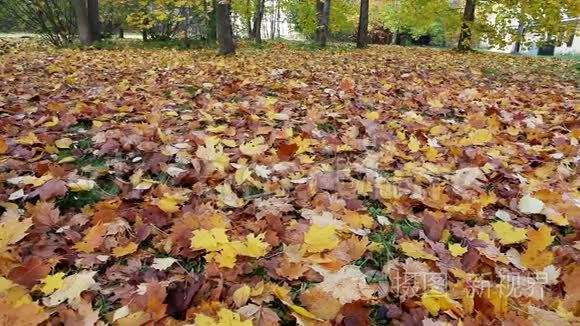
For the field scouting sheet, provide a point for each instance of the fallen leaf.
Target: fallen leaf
(125, 250)
(416, 249)
(71, 288)
(163, 263)
(530, 205)
(509, 234)
(320, 238)
(52, 283)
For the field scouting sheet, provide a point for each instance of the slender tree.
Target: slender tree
(273, 19)
(363, 25)
(520, 38)
(258, 17)
(248, 16)
(464, 43)
(82, 16)
(94, 23)
(323, 13)
(225, 34)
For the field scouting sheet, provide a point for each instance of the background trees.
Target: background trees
(460, 23)
(53, 20)
(514, 19)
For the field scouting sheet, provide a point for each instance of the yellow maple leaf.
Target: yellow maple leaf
(416, 249)
(477, 137)
(254, 246)
(52, 283)
(162, 136)
(224, 317)
(432, 154)
(255, 146)
(436, 130)
(363, 187)
(125, 250)
(170, 202)
(304, 144)
(29, 139)
(14, 293)
(536, 257)
(12, 229)
(435, 301)
(508, 234)
(413, 145)
(243, 173)
(320, 238)
(217, 129)
(63, 143)
(372, 115)
(213, 153)
(51, 123)
(241, 295)
(344, 148)
(226, 257)
(210, 240)
(457, 249)
(71, 288)
(388, 190)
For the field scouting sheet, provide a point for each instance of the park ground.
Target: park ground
(286, 185)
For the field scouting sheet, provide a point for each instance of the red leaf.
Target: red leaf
(286, 151)
(31, 271)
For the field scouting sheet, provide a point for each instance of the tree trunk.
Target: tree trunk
(319, 19)
(121, 32)
(323, 9)
(395, 38)
(278, 18)
(464, 43)
(211, 28)
(273, 20)
(95, 25)
(249, 19)
(258, 16)
(521, 34)
(81, 13)
(225, 34)
(363, 25)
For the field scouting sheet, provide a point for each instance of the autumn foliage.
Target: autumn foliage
(385, 185)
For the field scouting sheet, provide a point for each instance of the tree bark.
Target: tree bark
(464, 43)
(363, 25)
(94, 23)
(273, 20)
(258, 17)
(82, 16)
(225, 34)
(210, 22)
(521, 35)
(319, 19)
(323, 9)
(249, 19)
(395, 38)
